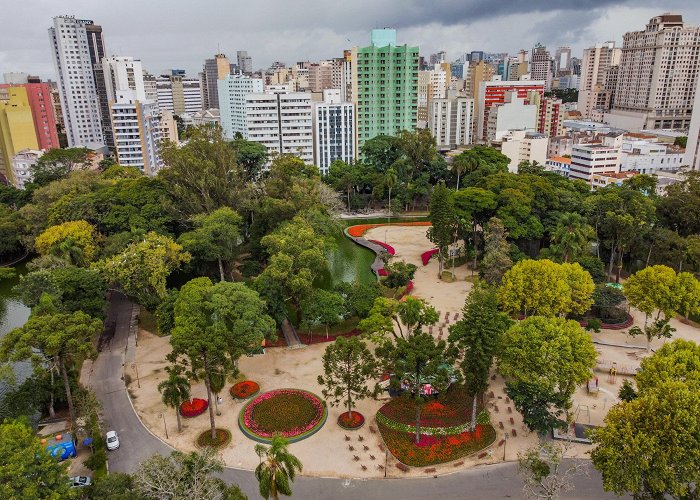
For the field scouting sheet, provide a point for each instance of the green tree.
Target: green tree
(657, 329)
(627, 392)
(184, 476)
(496, 261)
(474, 207)
(11, 231)
(390, 180)
(214, 326)
(442, 233)
(544, 473)
(542, 408)
(27, 469)
(687, 291)
(359, 297)
(400, 273)
(675, 361)
(175, 390)
(165, 312)
(679, 208)
(463, 163)
(571, 235)
(73, 241)
(203, 174)
(347, 366)
(652, 289)
(544, 288)
(322, 307)
(251, 156)
(57, 164)
(215, 238)
(553, 353)
(389, 315)
(277, 468)
(115, 486)
(417, 361)
(56, 338)
(478, 336)
(141, 269)
(649, 446)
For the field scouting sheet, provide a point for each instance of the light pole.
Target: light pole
(133, 365)
(505, 442)
(162, 415)
(386, 461)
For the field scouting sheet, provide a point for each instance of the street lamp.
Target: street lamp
(162, 415)
(133, 365)
(505, 442)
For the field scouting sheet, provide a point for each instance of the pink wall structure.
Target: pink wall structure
(39, 95)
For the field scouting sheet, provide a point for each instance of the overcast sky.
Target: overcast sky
(182, 33)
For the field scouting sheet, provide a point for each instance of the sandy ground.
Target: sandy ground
(327, 452)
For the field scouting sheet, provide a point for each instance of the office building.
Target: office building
(599, 65)
(41, 104)
(657, 76)
(588, 160)
(334, 130)
(77, 51)
(493, 93)
(646, 155)
(17, 130)
(233, 90)
(245, 62)
(384, 86)
(179, 94)
(450, 120)
(520, 146)
(541, 65)
(214, 70)
(282, 122)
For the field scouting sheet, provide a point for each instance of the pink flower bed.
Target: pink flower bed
(390, 250)
(425, 256)
(409, 288)
(382, 272)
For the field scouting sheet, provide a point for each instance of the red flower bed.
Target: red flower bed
(425, 256)
(454, 410)
(360, 229)
(193, 408)
(390, 250)
(409, 287)
(244, 390)
(351, 420)
(432, 450)
(382, 272)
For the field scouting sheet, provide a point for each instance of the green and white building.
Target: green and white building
(384, 86)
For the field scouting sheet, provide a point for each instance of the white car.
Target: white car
(80, 481)
(112, 440)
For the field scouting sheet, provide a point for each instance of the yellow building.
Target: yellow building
(16, 129)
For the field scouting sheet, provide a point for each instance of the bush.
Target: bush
(98, 460)
(250, 268)
(165, 313)
(400, 273)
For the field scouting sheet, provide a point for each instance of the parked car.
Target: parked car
(112, 440)
(80, 481)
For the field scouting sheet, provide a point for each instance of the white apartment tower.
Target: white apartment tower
(123, 73)
(334, 130)
(232, 91)
(598, 62)
(282, 122)
(657, 76)
(73, 52)
(451, 120)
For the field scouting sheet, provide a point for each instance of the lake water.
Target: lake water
(13, 314)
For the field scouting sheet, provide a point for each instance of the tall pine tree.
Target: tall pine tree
(444, 220)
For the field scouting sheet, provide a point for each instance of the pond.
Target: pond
(349, 261)
(13, 314)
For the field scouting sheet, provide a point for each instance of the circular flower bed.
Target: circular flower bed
(292, 413)
(223, 437)
(194, 407)
(351, 420)
(244, 390)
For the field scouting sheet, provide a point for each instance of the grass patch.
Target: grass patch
(147, 321)
(447, 276)
(223, 437)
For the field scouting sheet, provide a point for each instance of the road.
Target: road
(137, 444)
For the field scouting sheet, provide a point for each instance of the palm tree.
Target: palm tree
(277, 468)
(465, 162)
(175, 390)
(571, 234)
(390, 180)
(69, 250)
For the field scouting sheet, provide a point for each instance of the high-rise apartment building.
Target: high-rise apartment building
(341, 77)
(334, 130)
(214, 70)
(514, 113)
(179, 94)
(494, 92)
(233, 90)
(451, 120)
(123, 73)
(432, 84)
(384, 86)
(550, 115)
(245, 62)
(77, 54)
(562, 61)
(658, 75)
(598, 63)
(39, 95)
(541, 65)
(282, 122)
(17, 130)
(321, 76)
(692, 148)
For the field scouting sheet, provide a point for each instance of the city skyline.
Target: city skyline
(279, 33)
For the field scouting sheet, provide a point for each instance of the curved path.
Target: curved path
(137, 444)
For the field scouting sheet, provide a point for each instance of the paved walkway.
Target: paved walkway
(137, 444)
(290, 334)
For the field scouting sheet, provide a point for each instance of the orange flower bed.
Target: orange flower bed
(360, 229)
